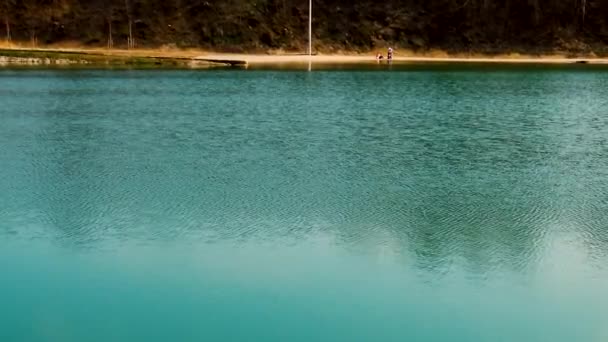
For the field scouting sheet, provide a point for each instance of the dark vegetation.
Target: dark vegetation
(489, 26)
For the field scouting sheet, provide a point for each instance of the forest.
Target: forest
(486, 26)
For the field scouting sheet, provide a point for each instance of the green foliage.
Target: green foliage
(453, 25)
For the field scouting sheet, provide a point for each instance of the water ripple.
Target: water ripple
(446, 168)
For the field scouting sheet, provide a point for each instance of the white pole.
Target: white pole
(310, 28)
(309, 35)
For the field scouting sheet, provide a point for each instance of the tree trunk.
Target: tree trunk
(505, 22)
(33, 38)
(110, 38)
(584, 10)
(7, 22)
(537, 13)
(283, 9)
(8, 28)
(130, 40)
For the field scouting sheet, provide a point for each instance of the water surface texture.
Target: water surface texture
(425, 204)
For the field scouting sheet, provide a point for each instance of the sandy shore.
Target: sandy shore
(343, 59)
(268, 59)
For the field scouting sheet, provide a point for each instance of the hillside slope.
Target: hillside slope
(486, 26)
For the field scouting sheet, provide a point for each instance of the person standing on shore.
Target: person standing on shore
(389, 54)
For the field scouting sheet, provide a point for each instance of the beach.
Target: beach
(254, 59)
(199, 58)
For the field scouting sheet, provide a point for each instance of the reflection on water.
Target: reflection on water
(393, 202)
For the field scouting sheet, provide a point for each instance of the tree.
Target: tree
(129, 10)
(452, 25)
(32, 19)
(108, 14)
(41, 15)
(583, 10)
(7, 8)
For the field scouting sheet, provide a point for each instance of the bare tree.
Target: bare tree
(104, 10)
(32, 19)
(8, 4)
(537, 11)
(109, 16)
(129, 9)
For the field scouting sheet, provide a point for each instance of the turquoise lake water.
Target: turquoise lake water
(412, 204)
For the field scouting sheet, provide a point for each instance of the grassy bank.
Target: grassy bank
(49, 57)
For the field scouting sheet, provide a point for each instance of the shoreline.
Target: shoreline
(256, 59)
(10, 56)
